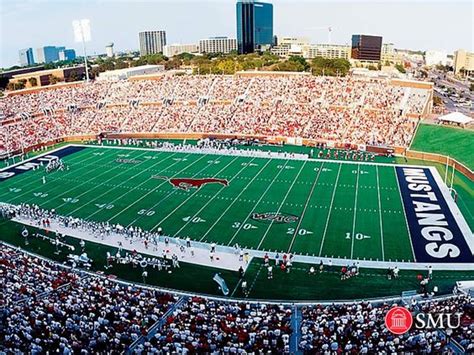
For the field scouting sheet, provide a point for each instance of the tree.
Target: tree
(300, 60)
(73, 76)
(400, 68)
(33, 81)
(330, 67)
(471, 87)
(53, 79)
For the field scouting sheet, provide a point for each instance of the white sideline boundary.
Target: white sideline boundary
(228, 252)
(229, 256)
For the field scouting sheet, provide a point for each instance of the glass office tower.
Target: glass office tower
(366, 48)
(254, 25)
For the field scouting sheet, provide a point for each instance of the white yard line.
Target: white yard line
(256, 204)
(305, 207)
(169, 194)
(404, 213)
(152, 190)
(355, 212)
(212, 199)
(281, 205)
(380, 213)
(234, 200)
(330, 210)
(104, 183)
(191, 196)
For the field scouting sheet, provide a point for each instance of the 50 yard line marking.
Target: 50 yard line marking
(256, 204)
(330, 209)
(156, 188)
(104, 182)
(355, 211)
(281, 204)
(234, 200)
(212, 199)
(380, 211)
(191, 196)
(305, 207)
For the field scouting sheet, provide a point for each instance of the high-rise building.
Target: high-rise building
(48, 54)
(463, 63)
(67, 54)
(366, 48)
(217, 45)
(26, 57)
(254, 25)
(152, 42)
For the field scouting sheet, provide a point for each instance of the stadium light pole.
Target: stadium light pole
(82, 33)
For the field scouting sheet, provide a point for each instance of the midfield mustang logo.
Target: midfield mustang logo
(188, 183)
(274, 217)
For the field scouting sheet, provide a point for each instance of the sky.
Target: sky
(416, 24)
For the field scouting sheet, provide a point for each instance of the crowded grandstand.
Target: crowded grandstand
(349, 110)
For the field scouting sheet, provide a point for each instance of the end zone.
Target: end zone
(438, 231)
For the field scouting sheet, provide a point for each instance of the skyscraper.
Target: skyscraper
(152, 42)
(48, 54)
(254, 25)
(366, 48)
(26, 56)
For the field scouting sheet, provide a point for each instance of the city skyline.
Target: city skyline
(419, 25)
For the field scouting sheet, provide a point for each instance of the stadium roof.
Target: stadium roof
(456, 117)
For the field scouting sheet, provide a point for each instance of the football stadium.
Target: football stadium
(263, 211)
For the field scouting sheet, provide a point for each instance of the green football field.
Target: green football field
(341, 209)
(447, 141)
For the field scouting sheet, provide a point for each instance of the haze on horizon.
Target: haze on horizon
(417, 25)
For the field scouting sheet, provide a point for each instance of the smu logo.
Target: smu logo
(188, 183)
(399, 320)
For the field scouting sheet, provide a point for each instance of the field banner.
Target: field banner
(37, 162)
(435, 232)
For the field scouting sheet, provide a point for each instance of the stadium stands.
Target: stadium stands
(348, 110)
(55, 309)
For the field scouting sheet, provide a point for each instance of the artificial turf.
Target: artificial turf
(454, 142)
(342, 210)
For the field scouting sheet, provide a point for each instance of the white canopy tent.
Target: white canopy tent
(456, 117)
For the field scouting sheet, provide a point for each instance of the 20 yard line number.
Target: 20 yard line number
(300, 231)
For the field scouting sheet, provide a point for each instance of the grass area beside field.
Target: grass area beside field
(297, 285)
(457, 143)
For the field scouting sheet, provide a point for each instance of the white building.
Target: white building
(328, 51)
(170, 50)
(217, 45)
(436, 58)
(109, 50)
(152, 42)
(388, 53)
(122, 74)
